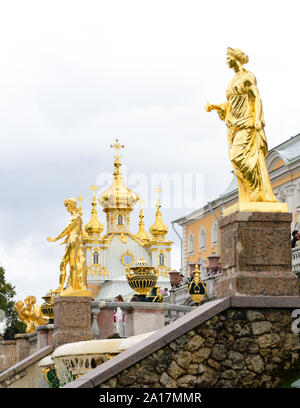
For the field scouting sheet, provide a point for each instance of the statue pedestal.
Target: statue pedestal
(256, 255)
(72, 319)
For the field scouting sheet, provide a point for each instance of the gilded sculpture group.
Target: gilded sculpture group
(243, 115)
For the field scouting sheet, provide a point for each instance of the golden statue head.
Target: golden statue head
(71, 205)
(30, 300)
(235, 54)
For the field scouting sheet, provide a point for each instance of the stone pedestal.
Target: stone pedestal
(44, 335)
(140, 321)
(23, 346)
(105, 320)
(256, 255)
(72, 319)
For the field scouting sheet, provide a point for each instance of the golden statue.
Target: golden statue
(74, 255)
(243, 115)
(30, 314)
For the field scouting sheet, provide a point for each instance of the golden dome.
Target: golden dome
(94, 226)
(158, 230)
(142, 234)
(118, 195)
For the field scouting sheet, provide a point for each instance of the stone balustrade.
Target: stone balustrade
(103, 313)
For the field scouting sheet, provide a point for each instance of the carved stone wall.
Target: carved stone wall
(239, 347)
(8, 354)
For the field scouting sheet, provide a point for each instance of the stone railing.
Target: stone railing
(180, 295)
(103, 326)
(296, 260)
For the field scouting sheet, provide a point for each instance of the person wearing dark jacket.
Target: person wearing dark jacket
(296, 237)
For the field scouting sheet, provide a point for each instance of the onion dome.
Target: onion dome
(118, 195)
(158, 230)
(94, 226)
(142, 234)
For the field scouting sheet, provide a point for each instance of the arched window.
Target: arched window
(202, 239)
(191, 244)
(95, 258)
(120, 220)
(161, 259)
(214, 234)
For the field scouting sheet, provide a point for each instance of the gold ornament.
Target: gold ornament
(243, 115)
(197, 289)
(74, 255)
(158, 230)
(142, 278)
(30, 313)
(94, 228)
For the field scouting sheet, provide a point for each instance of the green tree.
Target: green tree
(7, 292)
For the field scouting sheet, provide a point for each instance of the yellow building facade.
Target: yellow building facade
(200, 229)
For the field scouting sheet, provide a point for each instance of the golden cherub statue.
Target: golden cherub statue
(30, 314)
(74, 255)
(243, 115)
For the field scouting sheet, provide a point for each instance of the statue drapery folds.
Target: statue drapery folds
(74, 255)
(243, 115)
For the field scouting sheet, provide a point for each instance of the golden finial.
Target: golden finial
(94, 188)
(94, 226)
(117, 146)
(158, 230)
(142, 234)
(158, 190)
(80, 199)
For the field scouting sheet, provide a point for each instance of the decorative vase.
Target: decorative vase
(197, 288)
(142, 278)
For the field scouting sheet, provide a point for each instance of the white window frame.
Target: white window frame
(202, 242)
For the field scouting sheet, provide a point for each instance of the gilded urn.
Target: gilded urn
(47, 306)
(197, 288)
(142, 278)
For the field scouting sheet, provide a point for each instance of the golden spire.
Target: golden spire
(118, 195)
(142, 234)
(94, 226)
(158, 230)
(80, 199)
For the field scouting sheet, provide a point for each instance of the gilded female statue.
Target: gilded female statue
(74, 254)
(243, 115)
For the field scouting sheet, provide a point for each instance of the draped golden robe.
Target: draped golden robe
(247, 146)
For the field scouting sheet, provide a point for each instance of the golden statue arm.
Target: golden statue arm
(68, 228)
(221, 109)
(251, 88)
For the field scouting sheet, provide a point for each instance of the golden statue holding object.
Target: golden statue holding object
(248, 148)
(74, 255)
(30, 313)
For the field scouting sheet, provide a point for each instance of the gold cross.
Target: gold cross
(94, 188)
(117, 146)
(80, 199)
(158, 190)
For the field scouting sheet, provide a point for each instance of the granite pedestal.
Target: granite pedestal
(256, 255)
(139, 320)
(72, 319)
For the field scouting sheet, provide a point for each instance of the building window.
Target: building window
(214, 234)
(202, 239)
(191, 244)
(95, 258)
(120, 220)
(161, 259)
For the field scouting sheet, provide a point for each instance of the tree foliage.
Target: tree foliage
(7, 292)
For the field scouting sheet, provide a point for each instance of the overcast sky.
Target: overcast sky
(75, 75)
